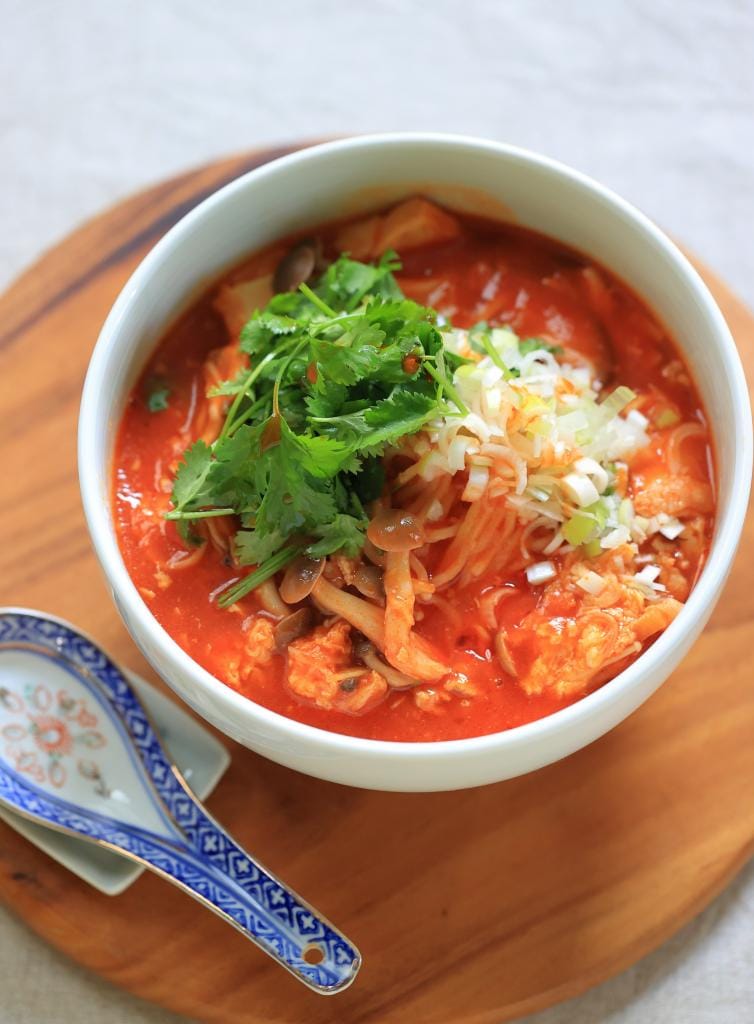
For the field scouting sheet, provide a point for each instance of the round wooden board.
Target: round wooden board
(478, 906)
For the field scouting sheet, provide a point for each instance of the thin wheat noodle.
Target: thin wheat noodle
(407, 475)
(404, 496)
(540, 523)
(489, 601)
(503, 653)
(417, 567)
(505, 548)
(181, 560)
(443, 606)
(441, 532)
(186, 425)
(676, 439)
(220, 531)
(438, 490)
(215, 417)
(484, 556)
(470, 531)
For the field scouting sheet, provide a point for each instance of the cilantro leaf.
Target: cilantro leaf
(343, 533)
(320, 457)
(262, 328)
(527, 345)
(252, 548)
(157, 399)
(346, 282)
(230, 387)
(327, 399)
(346, 363)
(191, 476)
(402, 413)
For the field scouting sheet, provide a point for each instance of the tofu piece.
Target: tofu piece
(236, 302)
(415, 223)
(408, 225)
(360, 239)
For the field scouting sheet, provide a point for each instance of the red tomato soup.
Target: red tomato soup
(465, 519)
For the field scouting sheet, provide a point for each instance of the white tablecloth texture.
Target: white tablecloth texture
(653, 97)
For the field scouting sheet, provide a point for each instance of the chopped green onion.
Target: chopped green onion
(579, 529)
(667, 418)
(617, 401)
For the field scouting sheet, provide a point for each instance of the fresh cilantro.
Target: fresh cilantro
(403, 412)
(346, 283)
(344, 533)
(263, 328)
(191, 476)
(527, 345)
(252, 548)
(157, 399)
(230, 387)
(338, 372)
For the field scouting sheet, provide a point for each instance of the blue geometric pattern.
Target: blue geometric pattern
(203, 859)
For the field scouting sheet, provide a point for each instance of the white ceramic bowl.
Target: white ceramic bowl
(324, 183)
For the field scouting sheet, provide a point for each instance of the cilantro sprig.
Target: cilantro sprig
(338, 372)
(157, 395)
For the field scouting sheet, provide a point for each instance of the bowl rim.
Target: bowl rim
(728, 526)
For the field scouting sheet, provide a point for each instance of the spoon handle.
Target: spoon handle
(224, 877)
(229, 882)
(284, 924)
(275, 916)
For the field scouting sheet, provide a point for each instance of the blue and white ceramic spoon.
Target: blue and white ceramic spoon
(79, 754)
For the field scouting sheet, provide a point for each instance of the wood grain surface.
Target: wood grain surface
(469, 907)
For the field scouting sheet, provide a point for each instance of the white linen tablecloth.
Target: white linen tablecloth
(653, 97)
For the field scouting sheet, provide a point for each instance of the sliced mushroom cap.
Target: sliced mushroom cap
(368, 580)
(296, 267)
(393, 529)
(300, 577)
(293, 626)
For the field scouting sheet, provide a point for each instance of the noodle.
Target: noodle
(488, 604)
(678, 436)
(185, 559)
(221, 530)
